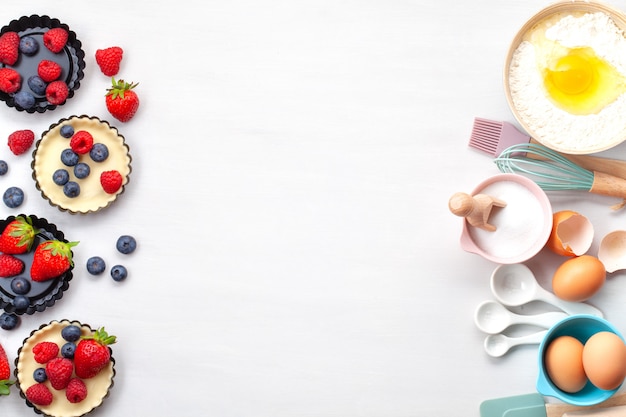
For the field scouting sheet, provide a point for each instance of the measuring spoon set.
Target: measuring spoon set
(514, 285)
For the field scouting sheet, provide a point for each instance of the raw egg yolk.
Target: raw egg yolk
(580, 82)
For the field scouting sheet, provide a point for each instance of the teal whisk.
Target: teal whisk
(554, 172)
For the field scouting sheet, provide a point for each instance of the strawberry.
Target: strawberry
(39, 394)
(20, 141)
(92, 353)
(10, 266)
(76, 391)
(121, 101)
(18, 236)
(44, 352)
(59, 371)
(109, 59)
(5, 373)
(111, 181)
(51, 259)
(55, 39)
(9, 48)
(48, 70)
(57, 92)
(81, 142)
(10, 80)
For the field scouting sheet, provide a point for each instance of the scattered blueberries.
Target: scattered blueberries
(20, 285)
(81, 170)
(37, 85)
(4, 167)
(69, 157)
(67, 131)
(28, 45)
(119, 273)
(71, 333)
(99, 152)
(61, 176)
(9, 321)
(67, 350)
(71, 189)
(24, 99)
(21, 303)
(13, 197)
(126, 244)
(40, 375)
(95, 265)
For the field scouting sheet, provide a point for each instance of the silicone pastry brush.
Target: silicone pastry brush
(494, 137)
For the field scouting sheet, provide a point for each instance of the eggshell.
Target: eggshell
(612, 251)
(564, 363)
(604, 360)
(579, 278)
(571, 234)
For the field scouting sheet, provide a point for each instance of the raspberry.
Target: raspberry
(111, 181)
(59, 371)
(45, 351)
(10, 265)
(39, 394)
(48, 70)
(9, 48)
(10, 80)
(81, 142)
(109, 59)
(55, 39)
(76, 391)
(57, 92)
(21, 140)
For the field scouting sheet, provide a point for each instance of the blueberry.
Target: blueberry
(119, 273)
(20, 285)
(69, 157)
(68, 349)
(37, 85)
(24, 99)
(40, 375)
(99, 152)
(67, 131)
(126, 244)
(21, 303)
(95, 265)
(13, 197)
(29, 45)
(71, 333)
(71, 189)
(61, 176)
(4, 167)
(9, 321)
(81, 170)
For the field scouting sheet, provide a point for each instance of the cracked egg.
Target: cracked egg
(612, 251)
(571, 235)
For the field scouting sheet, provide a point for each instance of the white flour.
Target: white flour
(555, 126)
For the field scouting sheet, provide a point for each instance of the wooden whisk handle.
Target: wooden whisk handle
(609, 185)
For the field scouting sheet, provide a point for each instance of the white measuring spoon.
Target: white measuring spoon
(492, 317)
(497, 345)
(515, 284)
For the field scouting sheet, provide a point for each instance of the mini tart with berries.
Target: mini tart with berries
(71, 59)
(98, 386)
(90, 195)
(39, 294)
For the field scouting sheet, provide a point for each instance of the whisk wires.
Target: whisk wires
(548, 169)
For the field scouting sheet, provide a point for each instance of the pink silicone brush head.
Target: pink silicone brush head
(494, 137)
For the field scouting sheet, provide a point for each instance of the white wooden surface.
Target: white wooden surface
(292, 163)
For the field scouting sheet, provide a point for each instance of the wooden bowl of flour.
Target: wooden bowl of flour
(589, 25)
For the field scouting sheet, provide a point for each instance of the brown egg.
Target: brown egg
(564, 364)
(604, 360)
(571, 235)
(579, 278)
